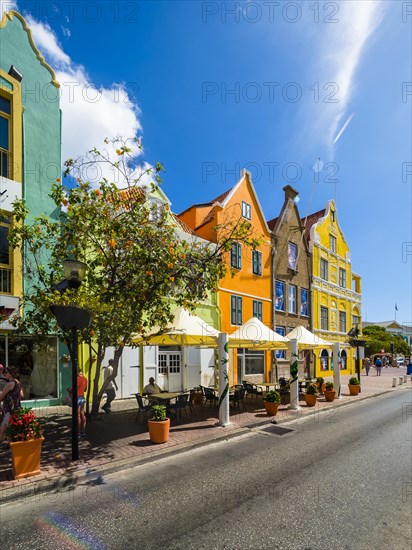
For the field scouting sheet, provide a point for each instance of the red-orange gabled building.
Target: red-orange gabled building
(248, 293)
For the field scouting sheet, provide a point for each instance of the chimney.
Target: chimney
(290, 193)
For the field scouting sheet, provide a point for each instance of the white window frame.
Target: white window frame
(292, 299)
(246, 210)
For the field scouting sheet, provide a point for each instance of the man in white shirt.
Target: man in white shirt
(110, 387)
(151, 387)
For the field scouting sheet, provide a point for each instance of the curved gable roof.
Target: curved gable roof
(8, 16)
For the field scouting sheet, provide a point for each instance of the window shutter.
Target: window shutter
(239, 310)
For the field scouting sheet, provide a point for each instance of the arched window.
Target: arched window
(343, 358)
(324, 360)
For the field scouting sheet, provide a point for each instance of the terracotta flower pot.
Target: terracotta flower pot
(159, 430)
(329, 395)
(271, 408)
(354, 389)
(310, 399)
(25, 457)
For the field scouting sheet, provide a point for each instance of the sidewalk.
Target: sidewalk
(116, 441)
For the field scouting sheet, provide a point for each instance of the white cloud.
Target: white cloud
(90, 113)
(67, 33)
(338, 52)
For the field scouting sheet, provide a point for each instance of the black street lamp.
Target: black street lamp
(354, 342)
(72, 318)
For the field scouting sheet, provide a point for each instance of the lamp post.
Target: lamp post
(358, 344)
(72, 318)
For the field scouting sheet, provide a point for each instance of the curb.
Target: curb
(73, 476)
(69, 480)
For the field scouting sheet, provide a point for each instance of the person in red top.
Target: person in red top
(81, 389)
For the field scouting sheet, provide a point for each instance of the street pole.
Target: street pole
(358, 367)
(223, 343)
(336, 370)
(75, 422)
(294, 384)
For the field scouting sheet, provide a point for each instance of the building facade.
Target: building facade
(336, 289)
(246, 290)
(170, 366)
(30, 162)
(292, 279)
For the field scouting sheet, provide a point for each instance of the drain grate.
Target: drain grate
(277, 430)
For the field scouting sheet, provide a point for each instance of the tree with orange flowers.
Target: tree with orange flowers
(133, 254)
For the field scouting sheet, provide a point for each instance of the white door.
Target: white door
(170, 370)
(130, 373)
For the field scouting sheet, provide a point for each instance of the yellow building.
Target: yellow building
(336, 290)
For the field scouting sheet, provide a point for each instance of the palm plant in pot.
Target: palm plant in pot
(354, 385)
(25, 436)
(159, 425)
(311, 395)
(329, 391)
(271, 402)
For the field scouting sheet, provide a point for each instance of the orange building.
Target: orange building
(248, 293)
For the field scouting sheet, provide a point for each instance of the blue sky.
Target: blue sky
(298, 72)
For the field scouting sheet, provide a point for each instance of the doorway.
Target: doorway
(169, 368)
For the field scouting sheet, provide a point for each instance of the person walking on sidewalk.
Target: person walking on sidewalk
(11, 396)
(367, 365)
(110, 386)
(81, 401)
(378, 365)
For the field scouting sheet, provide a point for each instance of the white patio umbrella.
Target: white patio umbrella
(306, 339)
(254, 334)
(185, 329)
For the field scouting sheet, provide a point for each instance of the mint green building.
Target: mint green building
(30, 162)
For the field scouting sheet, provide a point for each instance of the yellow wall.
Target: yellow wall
(330, 294)
(12, 92)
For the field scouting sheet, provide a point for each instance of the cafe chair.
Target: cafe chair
(191, 399)
(237, 397)
(210, 396)
(142, 407)
(252, 389)
(182, 402)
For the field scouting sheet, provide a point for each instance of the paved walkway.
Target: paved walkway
(117, 441)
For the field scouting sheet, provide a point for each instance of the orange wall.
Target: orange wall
(245, 284)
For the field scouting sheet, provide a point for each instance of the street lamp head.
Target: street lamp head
(74, 272)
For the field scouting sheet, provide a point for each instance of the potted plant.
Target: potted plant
(354, 385)
(311, 395)
(329, 392)
(320, 382)
(25, 438)
(159, 425)
(271, 402)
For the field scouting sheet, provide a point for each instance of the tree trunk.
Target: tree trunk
(98, 393)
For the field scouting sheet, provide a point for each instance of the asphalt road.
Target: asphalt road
(340, 480)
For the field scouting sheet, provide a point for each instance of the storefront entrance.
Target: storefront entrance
(37, 364)
(169, 368)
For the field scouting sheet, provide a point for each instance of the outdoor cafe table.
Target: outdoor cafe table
(268, 386)
(165, 396)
